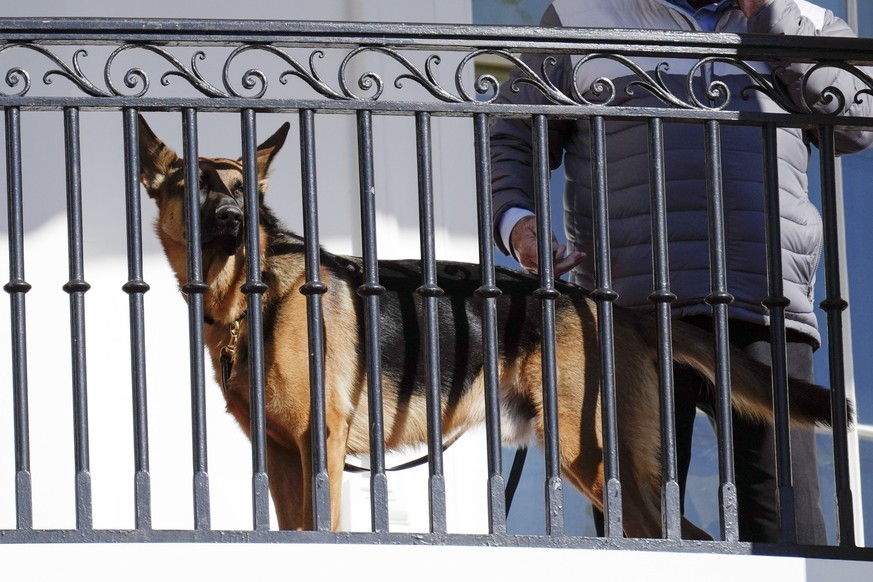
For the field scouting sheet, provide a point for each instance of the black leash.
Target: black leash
(514, 476)
(511, 485)
(349, 468)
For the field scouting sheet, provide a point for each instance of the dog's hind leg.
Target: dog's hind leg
(641, 497)
(692, 532)
(641, 501)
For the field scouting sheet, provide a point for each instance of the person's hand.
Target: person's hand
(523, 239)
(752, 7)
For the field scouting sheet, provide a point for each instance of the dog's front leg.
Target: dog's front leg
(289, 486)
(290, 475)
(337, 446)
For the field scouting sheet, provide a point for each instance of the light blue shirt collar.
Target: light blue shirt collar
(706, 17)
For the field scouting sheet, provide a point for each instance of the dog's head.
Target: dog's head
(222, 224)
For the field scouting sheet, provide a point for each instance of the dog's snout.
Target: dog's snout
(228, 215)
(222, 224)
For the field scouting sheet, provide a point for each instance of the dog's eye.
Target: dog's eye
(238, 190)
(204, 187)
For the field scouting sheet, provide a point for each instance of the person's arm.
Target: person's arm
(786, 17)
(512, 164)
(512, 188)
(512, 183)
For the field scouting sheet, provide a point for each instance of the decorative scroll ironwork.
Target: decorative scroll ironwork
(526, 76)
(426, 79)
(72, 73)
(830, 93)
(254, 83)
(137, 76)
(654, 85)
(252, 77)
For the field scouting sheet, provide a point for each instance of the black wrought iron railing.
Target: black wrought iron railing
(310, 70)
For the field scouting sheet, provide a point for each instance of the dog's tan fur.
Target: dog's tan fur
(287, 388)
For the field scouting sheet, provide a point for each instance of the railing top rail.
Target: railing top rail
(191, 32)
(397, 43)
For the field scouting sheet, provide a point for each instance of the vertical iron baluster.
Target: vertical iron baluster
(76, 288)
(17, 287)
(430, 292)
(488, 293)
(671, 508)
(254, 288)
(834, 305)
(719, 299)
(136, 288)
(604, 295)
(194, 289)
(313, 289)
(371, 291)
(776, 302)
(547, 294)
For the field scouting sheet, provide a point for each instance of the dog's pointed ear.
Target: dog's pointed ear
(268, 150)
(156, 160)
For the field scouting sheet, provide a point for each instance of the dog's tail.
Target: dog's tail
(751, 392)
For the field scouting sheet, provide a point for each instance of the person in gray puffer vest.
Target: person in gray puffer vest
(744, 214)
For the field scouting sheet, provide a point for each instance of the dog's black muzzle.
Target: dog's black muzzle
(222, 224)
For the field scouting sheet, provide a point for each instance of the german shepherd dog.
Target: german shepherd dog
(287, 388)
